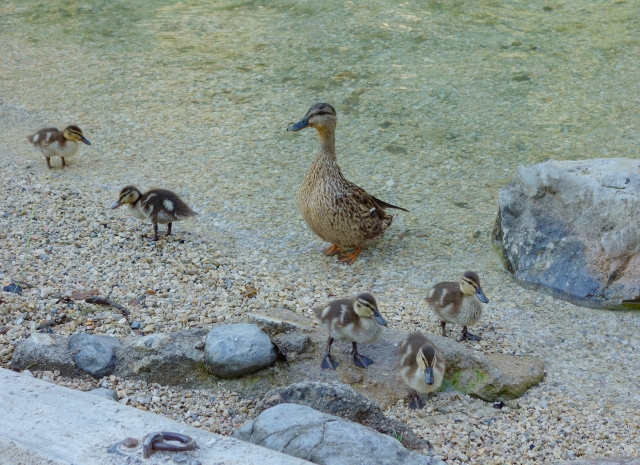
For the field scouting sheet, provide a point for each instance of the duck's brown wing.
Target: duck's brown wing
(44, 136)
(367, 212)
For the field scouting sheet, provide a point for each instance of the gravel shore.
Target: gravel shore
(436, 108)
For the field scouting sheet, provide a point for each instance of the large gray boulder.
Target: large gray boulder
(572, 230)
(238, 349)
(320, 438)
(341, 400)
(95, 355)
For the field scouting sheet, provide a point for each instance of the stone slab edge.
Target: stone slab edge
(75, 427)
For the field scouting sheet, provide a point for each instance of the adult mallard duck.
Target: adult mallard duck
(156, 206)
(53, 143)
(335, 209)
(459, 303)
(351, 320)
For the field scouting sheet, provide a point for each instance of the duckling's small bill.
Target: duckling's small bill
(481, 296)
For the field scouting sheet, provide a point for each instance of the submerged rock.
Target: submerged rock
(341, 400)
(238, 349)
(572, 230)
(320, 438)
(95, 355)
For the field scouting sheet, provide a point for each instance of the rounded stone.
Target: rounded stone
(238, 349)
(95, 355)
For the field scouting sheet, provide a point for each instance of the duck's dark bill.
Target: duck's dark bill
(303, 123)
(379, 318)
(481, 296)
(428, 376)
(85, 140)
(115, 205)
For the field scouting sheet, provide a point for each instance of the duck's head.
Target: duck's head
(321, 116)
(366, 307)
(470, 285)
(74, 133)
(129, 194)
(426, 360)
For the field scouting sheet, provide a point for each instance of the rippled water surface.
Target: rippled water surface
(438, 102)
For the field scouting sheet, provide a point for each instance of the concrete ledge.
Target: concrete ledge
(44, 420)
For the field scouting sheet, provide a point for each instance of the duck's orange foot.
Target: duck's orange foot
(333, 250)
(349, 258)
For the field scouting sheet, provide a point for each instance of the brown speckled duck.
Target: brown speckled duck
(335, 209)
(54, 143)
(156, 206)
(421, 366)
(351, 320)
(459, 303)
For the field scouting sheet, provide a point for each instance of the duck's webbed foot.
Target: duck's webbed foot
(349, 258)
(415, 402)
(467, 336)
(327, 360)
(360, 360)
(155, 232)
(332, 250)
(329, 363)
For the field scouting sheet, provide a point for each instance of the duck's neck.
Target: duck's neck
(327, 149)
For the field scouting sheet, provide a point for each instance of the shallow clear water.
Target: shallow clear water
(438, 102)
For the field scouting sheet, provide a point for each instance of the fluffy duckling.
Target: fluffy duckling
(156, 206)
(54, 143)
(421, 366)
(351, 320)
(459, 303)
(335, 209)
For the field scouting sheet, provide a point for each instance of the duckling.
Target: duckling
(54, 143)
(156, 206)
(459, 303)
(351, 320)
(421, 366)
(335, 209)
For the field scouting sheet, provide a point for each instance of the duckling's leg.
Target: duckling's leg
(333, 250)
(415, 402)
(155, 231)
(466, 335)
(349, 258)
(443, 324)
(48, 162)
(327, 360)
(360, 360)
(169, 229)
(63, 162)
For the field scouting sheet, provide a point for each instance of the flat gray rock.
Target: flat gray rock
(572, 230)
(238, 349)
(104, 393)
(42, 351)
(491, 377)
(165, 358)
(95, 355)
(320, 438)
(341, 400)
